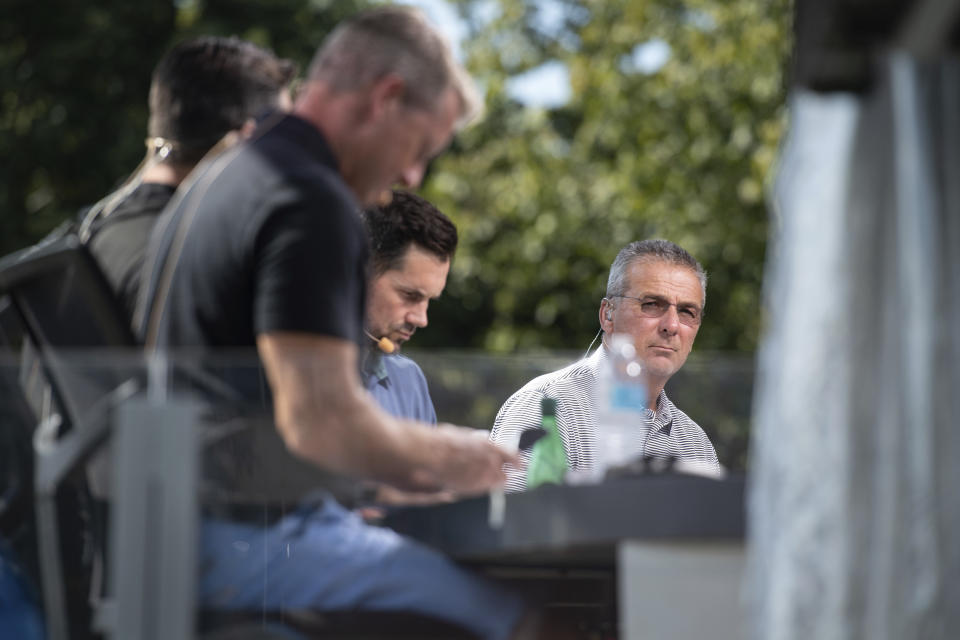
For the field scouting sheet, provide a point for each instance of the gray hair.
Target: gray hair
(652, 251)
(395, 39)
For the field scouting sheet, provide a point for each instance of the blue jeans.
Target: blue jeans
(325, 557)
(19, 612)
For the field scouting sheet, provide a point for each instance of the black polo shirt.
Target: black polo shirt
(119, 241)
(265, 238)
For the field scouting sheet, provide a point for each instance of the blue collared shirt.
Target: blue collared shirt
(399, 387)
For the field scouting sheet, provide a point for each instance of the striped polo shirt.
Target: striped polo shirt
(671, 434)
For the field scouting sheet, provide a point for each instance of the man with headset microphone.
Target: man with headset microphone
(656, 293)
(412, 244)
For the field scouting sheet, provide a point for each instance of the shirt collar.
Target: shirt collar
(597, 360)
(301, 132)
(147, 198)
(374, 367)
(663, 419)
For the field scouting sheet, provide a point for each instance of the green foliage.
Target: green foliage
(72, 104)
(544, 198)
(74, 78)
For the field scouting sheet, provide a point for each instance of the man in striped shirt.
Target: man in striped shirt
(656, 293)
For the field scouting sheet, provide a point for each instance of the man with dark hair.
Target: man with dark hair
(656, 292)
(412, 245)
(265, 252)
(202, 91)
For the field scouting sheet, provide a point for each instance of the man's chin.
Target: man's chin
(660, 368)
(401, 337)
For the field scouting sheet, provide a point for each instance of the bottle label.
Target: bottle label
(628, 397)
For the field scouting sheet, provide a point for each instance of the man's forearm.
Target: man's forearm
(325, 416)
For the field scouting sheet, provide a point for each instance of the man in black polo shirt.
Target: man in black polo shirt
(202, 90)
(265, 248)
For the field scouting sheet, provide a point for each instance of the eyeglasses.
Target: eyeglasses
(654, 307)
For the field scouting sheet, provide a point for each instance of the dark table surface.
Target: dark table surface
(580, 526)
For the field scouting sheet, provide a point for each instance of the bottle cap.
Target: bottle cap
(548, 406)
(621, 346)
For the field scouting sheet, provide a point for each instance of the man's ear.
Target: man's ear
(386, 94)
(606, 316)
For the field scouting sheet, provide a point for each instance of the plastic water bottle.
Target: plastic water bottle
(622, 416)
(548, 460)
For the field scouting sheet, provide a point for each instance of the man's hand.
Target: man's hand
(466, 462)
(388, 496)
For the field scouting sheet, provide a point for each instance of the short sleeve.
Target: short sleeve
(310, 273)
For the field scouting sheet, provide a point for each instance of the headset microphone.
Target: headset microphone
(384, 344)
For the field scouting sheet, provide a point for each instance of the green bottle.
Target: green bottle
(548, 460)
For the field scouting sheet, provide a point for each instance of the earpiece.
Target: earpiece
(609, 315)
(591, 343)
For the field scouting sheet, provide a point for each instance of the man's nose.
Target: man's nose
(418, 316)
(670, 321)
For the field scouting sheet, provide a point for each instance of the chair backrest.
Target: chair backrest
(19, 418)
(57, 314)
(66, 307)
(17, 421)
(61, 280)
